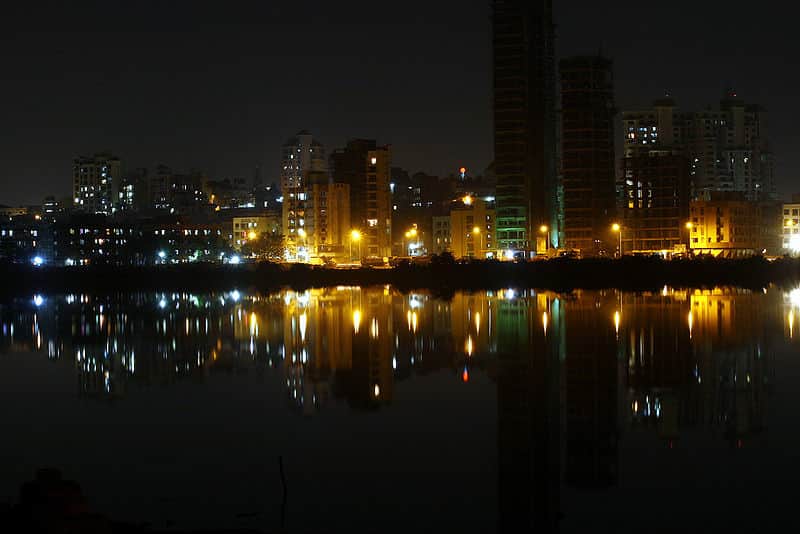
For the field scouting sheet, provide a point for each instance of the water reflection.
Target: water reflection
(574, 372)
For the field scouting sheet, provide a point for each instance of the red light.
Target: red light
(465, 375)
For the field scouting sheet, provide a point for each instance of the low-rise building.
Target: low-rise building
(251, 228)
(791, 227)
(472, 228)
(726, 224)
(25, 238)
(442, 240)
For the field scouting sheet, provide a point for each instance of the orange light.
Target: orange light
(462, 170)
(465, 375)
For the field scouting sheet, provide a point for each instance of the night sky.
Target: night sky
(220, 86)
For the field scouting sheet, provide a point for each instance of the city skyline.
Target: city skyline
(222, 101)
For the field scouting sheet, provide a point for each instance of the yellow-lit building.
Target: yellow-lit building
(726, 224)
(791, 227)
(251, 228)
(472, 228)
(328, 220)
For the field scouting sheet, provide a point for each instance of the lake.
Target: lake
(388, 412)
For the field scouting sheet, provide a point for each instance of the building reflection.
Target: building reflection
(574, 372)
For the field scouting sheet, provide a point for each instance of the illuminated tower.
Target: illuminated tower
(366, 167)
(95, 183)
(300, 155)
(524, 122)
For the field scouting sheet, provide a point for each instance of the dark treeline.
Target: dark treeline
(440, 277)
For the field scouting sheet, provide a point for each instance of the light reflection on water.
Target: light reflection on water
(573, 373)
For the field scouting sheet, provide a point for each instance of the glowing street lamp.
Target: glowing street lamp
(411, 233)
(355, 235)
(616, 227)
(252, 236)
(477, 231)
(302, 234)
(467, 200)
(546, 231)
(689, 226)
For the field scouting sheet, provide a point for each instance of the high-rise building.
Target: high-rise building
(588, 176)
(328, 218)
(365, 167)
(95, 183)
(300, 155)
(524, 122)
(728, 148)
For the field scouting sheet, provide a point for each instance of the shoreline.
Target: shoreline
(629, 273)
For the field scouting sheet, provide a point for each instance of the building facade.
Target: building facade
(654, 203)
(442, 240)
(328, 220)
(366, 167)
(525, 144)
(95, 183)
(588, 175)
(791, 227)
(728, 148)
(473, 229)
(729, 225)
(300, 155)
(251, 229)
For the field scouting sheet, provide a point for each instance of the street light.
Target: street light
(618, 228)
(689, 227)
(545, 230)
(412, 232)
(355, 235)
(477, 231)
(302, 234)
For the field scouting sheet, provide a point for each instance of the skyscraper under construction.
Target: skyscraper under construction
(524, 123)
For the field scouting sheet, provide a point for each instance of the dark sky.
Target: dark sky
(220, 85)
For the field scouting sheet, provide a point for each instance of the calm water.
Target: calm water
(593, 410)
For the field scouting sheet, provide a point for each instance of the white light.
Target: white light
(794, 243)
(509, 254)
(510, 294)
(794, 297)
(162, 303)
(162, 254)
(235, 295)
(38, 300)
(235, 260)
(37, 261)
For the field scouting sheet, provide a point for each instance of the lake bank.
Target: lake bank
(630, 273)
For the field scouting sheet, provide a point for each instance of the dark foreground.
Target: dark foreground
(440, 277)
